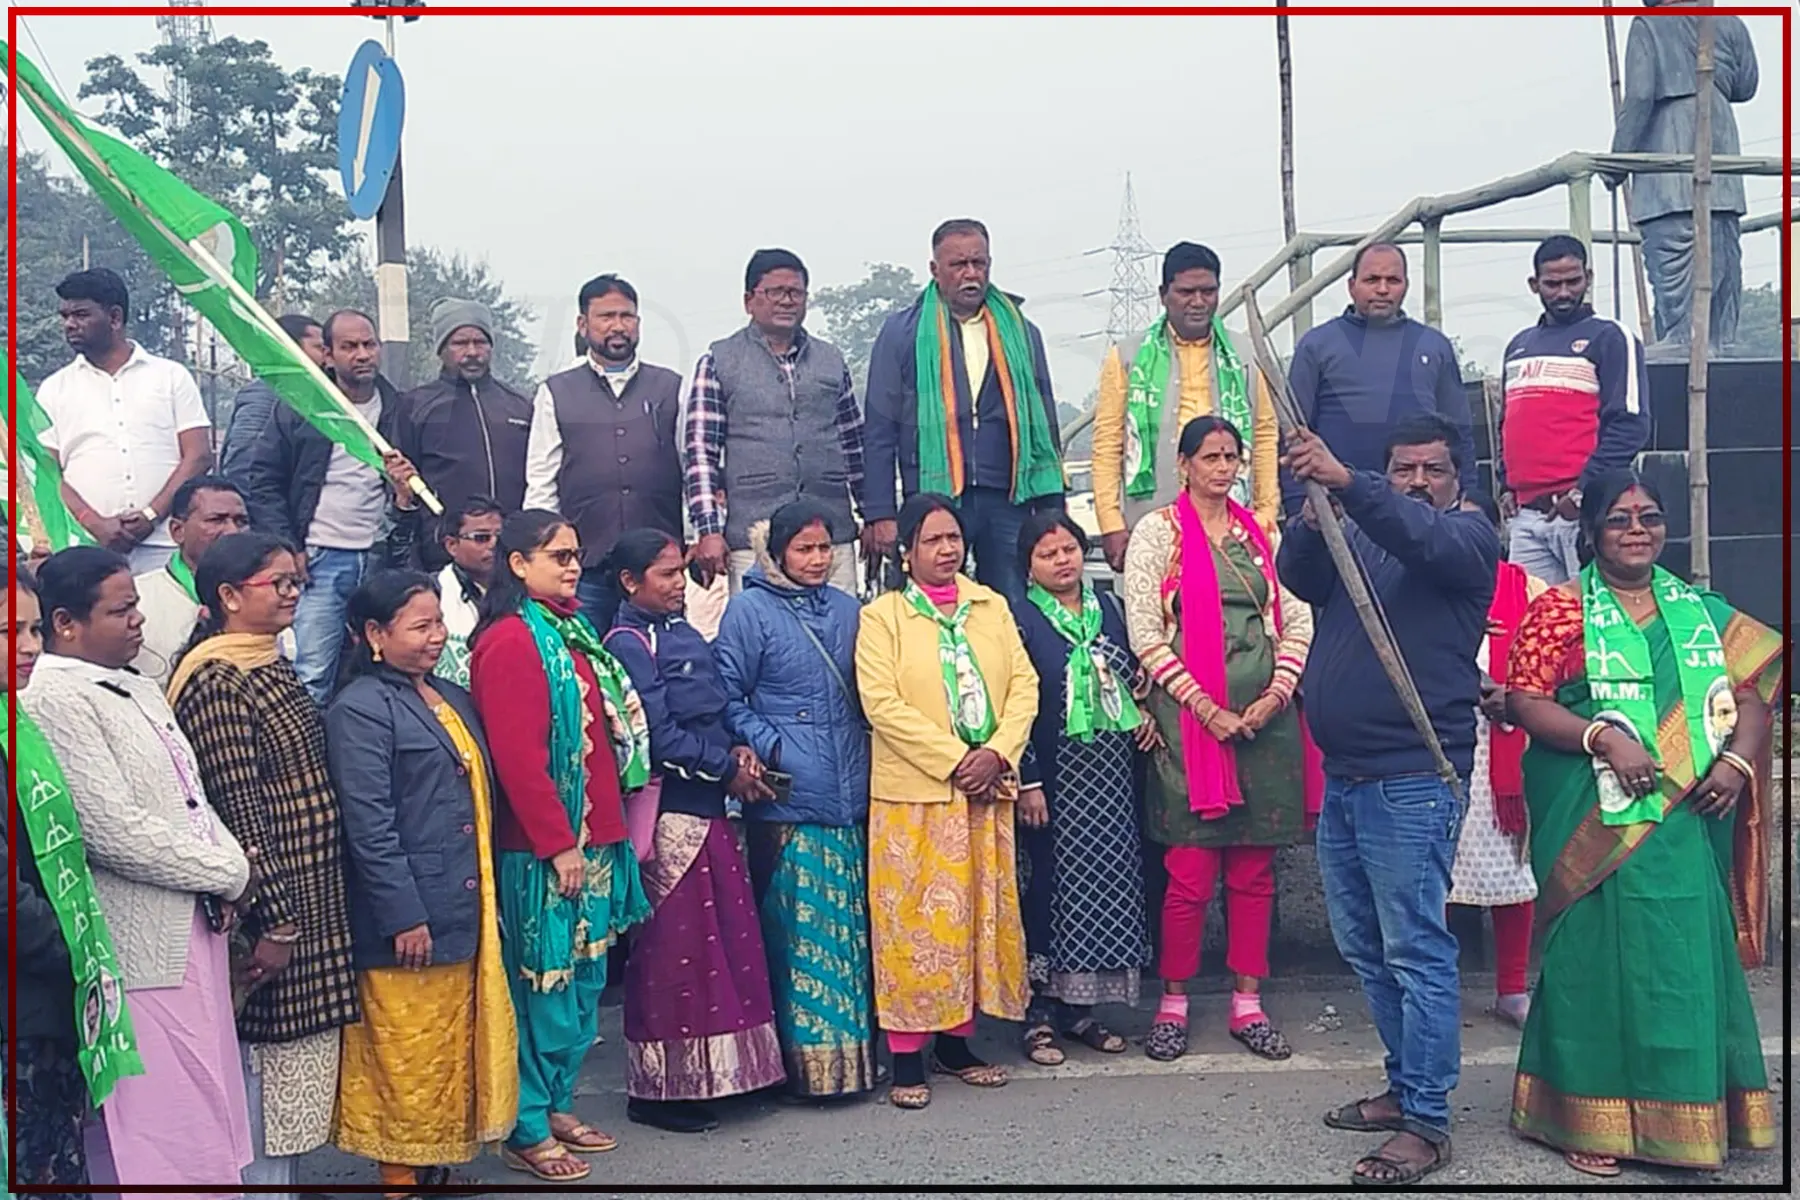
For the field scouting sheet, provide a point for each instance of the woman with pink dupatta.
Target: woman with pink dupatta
(1224, 646)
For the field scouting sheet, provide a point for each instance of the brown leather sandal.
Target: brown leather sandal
(531, 1161)
(912, 1097)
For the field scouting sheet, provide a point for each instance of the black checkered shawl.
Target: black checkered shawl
(261, 744)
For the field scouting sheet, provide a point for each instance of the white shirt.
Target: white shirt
(544, 445)
(460, 619)
(118, 436)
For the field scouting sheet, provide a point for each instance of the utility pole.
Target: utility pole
(1133, 295)
(392, 316)
(390, 267)
(1699, 479)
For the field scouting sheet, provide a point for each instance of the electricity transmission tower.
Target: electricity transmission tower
(189, 28)
(1133, 294)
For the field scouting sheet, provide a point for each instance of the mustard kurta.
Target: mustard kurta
(945, 931)
(431, 1074)
(1194, 360)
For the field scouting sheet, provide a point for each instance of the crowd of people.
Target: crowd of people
(349, 817)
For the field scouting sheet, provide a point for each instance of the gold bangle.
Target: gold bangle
(1594, 730)
(1740, 762)
(281, 939)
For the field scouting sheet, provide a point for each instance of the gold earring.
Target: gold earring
(230, 607)
(374, 652)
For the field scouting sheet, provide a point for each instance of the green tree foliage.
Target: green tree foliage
(259, 139)
(852, 313)
(432, 275)
(56, 213)
(1759, 323)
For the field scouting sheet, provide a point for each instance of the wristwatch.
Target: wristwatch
(149, 514)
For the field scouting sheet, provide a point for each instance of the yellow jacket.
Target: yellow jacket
(913, 750)
(1196, 401)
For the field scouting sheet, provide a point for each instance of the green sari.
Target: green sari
(1642, 1042)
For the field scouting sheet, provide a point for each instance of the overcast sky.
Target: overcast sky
(669, 148)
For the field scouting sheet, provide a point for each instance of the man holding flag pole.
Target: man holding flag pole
(207, 253)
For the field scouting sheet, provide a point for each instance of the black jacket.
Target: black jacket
(251, 411)
(467, 441)
(1434, 575)
(408, 807)
(46, 986)
(282, 473)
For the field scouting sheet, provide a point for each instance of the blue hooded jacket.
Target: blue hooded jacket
(786, 703)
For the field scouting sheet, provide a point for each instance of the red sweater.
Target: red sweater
(512, 694)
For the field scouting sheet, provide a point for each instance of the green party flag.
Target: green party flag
(40, 479)
(207, 253)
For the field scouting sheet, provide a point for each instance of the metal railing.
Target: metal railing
(1421, 222)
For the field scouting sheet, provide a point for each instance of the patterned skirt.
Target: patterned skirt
(699, 1023)
(811, 885)
(1082, 880)
(944, 914)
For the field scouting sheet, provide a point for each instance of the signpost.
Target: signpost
(371, 116)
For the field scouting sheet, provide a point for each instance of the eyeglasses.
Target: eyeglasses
(284, 585)
(792, 295)
(562, 558)
(1620, 522)
(483, 538)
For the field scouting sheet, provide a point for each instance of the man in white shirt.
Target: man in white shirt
(471, 533)
(127, 427)
(205, 509)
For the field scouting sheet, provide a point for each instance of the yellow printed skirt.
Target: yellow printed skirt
(431, 1072)
(944, 914)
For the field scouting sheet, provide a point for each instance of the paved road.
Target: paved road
(1217, 1116)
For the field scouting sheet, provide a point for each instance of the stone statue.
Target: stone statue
(1657, 117)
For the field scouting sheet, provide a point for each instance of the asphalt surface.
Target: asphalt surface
(1218, 1118)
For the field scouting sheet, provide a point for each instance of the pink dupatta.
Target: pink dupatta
(1211, 765)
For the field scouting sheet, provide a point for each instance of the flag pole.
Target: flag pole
(214, 270)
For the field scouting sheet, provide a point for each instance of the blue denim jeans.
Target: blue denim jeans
(332, 576)
(1385, 849)
(1543, 545)
(991, 527)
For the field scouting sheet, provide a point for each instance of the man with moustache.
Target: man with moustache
(960, 404)
(205, 509)
(1360, 375)
(305, 488)
(771, 418)
(465, 431)
(1388, 830)
(1575, 409)
(1186, 365)
(602, 449)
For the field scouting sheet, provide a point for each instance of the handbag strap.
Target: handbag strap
(830, 662)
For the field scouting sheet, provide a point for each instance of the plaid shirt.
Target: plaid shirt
(704, 440)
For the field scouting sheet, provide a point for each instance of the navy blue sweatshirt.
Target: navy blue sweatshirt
(1356, 381)
(891, 414)
(684, 697)
(1433, 573)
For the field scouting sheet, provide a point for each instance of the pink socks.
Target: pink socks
(1174, 1007)
(1246, 1010)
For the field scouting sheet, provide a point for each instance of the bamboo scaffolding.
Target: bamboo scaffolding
(1368, 607)
(1699, 477)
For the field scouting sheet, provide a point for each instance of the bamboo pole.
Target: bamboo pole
(1284, 69)
(1368, 608)
(1645, 329)
(1699, 480)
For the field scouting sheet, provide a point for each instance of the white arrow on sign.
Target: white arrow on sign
(371, 93)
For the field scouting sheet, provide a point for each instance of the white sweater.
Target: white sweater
(150, 865)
